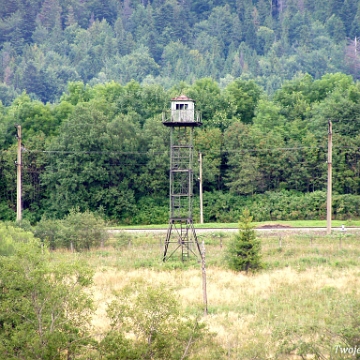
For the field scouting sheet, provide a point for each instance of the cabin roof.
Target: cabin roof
(182, 98)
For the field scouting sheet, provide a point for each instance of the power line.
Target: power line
(166, 151)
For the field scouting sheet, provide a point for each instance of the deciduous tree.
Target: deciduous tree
(44, 310)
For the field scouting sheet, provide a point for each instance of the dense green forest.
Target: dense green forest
(44, 44)
(88, 81)
(104, 148)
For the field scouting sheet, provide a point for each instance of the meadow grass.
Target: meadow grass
(295, 308)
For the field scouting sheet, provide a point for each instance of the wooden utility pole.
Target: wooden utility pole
(203, 268)
(19, 165)
(329, 182)
(201, 189)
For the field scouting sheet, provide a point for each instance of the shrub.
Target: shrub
(9, 235)
(44, 308)
(50, 232)
(151, 314)
(84, 230)
(78, 230)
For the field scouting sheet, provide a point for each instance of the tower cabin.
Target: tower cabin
(182, 112)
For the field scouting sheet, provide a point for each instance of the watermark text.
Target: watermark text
(347, 350)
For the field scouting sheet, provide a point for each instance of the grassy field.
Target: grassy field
(290, 223)
(302, 305)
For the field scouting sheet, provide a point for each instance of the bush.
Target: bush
(50, 232)
(44, 308)
(10, 235)
(84, 230)
(151, 314)
(151, 211)
(278, 205)
(78, 231)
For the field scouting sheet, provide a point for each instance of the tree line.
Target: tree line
(44, 44)
(104, 148)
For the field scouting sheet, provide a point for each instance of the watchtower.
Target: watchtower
(181, 120)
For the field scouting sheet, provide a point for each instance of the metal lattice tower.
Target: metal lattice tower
(181, 232)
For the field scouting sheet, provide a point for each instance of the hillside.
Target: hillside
(44, 44)
(88, 81)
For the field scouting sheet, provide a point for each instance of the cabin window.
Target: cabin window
(181, 106)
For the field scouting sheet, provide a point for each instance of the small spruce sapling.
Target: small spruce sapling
(243, 252)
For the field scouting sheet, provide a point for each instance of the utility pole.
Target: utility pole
(329, 182)
(355, 45)
(201, 189)
(203, 269)
(19, 165)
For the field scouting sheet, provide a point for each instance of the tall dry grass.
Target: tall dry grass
(293, 309)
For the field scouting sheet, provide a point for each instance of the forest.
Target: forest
(89, 80)
(44, 44)
(103, 148)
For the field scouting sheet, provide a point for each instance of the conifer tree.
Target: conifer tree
(243, 253)
(355, 26)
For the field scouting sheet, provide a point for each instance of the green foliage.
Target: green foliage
(122, 240)
(6, 246)
(160, 329)
(10, 235)
(46, 44)
(207, 94)
(243, 97)
(350, 333)
(283, 205)
(243, 253)
(44, 311)
(152, 210)
(6, 213)
(78, 231)
(209, 142)
(84, 230)
(93, 163)
(50, 232)
(105, 145)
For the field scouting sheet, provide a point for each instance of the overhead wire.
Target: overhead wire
(167, 151)
(149, 153)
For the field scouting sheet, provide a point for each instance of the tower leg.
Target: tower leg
(195, 238)
(167, 240)
(185, 238)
